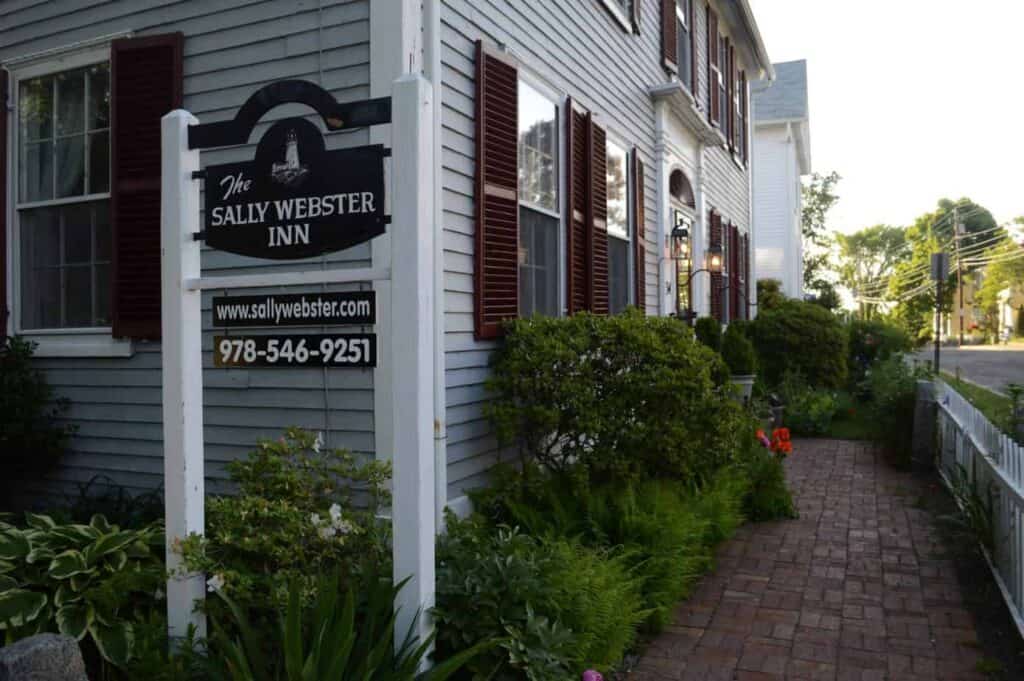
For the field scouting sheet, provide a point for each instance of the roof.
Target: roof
(785, 99)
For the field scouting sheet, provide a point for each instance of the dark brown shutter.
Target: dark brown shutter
(745, 131)
(669, 29)
(747, 287)
(577, 243)
(3, 204)
(145, 84)
(693, 49)
(734, 272)
(639, 238)
(715, 240)
(713, 65)
(730, 96)
(597, 224)
(496, 275)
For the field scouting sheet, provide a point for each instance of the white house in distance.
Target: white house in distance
(782, 155)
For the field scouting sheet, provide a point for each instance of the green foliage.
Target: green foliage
(555, 606)
(868, 258)
(31, 438)
(334, 638)
(1006, 273)
(810, 412)
(973, 519)
(891, 392)
(738, 352)
(769, 498)
(94, 582)
(802, 338)
(873, 340)
(613, 398)
(769, 294)
(709, 332)
(295, 515)
(819, 196)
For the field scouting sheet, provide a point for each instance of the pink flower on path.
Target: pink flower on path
(592, 675)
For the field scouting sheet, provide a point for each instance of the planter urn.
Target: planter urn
(745, 385)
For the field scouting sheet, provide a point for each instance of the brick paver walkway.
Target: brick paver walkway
(856, 589)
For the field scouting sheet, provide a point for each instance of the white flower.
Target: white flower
(335, 512)
(327, 532)
(215, 583)
(318, 443)
(343, 526)
(315, 519)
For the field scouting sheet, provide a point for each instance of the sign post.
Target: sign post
(297, 200)
(940, 270)
(181, 328)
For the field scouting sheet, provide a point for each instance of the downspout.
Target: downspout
(701, 227)
(432, 62)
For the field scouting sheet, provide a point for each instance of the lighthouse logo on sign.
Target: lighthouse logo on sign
(291, 173)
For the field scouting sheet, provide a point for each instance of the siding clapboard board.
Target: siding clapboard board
(232, 47)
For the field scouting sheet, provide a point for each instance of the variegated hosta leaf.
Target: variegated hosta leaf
(65, 594)
(7, 583)
(39, 554)
(80, 582)
(108, 543)
(116, 561)
(74, 619)
(38, 521)
(114, 642)
(137, 549)
(19, 607)
(6, 566)
(74, 535)
(100, 523)
(68, 564)
(14, 545)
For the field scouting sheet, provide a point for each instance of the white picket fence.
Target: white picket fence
(994, 464)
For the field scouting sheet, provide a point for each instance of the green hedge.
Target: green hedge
(802, 338)
(871, 341)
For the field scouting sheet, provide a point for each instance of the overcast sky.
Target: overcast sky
(911, 100)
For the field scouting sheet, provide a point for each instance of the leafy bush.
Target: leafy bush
(769, 294)
(891, 389)
(554, 606)
(709, 333)
(802, 338)
(294, 516)
(873, 340)
(94, 582)
(738, 352)
(31, 439)
(768, 498)
(808, 411)
(334, 638)
(621, 396)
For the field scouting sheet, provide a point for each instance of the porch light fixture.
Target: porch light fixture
(713, 260)
(680, 243)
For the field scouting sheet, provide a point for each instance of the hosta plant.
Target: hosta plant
(91, 581)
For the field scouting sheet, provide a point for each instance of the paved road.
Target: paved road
(992, 366)
(857, 588)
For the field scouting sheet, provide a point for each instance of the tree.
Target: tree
(819, 196)
(868, 258)
(1004, 271)
(911, 285)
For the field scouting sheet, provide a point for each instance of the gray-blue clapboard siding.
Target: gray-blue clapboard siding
(232, 47)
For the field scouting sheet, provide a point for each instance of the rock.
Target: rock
(45, 657)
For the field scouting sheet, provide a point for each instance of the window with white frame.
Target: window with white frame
(62, 200)
(539, 210)
(684, 42)
(618, 228)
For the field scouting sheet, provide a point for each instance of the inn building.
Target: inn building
(589, 155)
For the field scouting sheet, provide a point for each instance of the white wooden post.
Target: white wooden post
(182, 368)
(412, 319)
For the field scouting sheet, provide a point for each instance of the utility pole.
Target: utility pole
(958, 226)
(940, 270)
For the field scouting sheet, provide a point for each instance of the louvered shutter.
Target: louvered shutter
(713, 66)
(744, 131)
(577, 243)
(669, 35)
(145, 84)
(597, 223)
(746, 276)
(693, 48)
(734, 272)
(3, 204)
(639, 239)
(730, 97)
(496, 275)
(715, 240)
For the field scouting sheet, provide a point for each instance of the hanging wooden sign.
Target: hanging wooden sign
(295, 199)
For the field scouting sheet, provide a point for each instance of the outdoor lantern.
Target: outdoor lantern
(714, 260)
(680, 243)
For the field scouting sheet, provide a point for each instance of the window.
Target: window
(618, 229)
(722, 89)
(741, 117)
(538, 203)
(684, 267)
(684, 42)
(63, 195)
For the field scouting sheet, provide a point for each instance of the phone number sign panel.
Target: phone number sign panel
(353, 350)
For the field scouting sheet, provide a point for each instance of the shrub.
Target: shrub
(803, 338)
(738, 352)
(622, 396)
(769, 294)
(294, 516)
(709, 332)
(555, 606)
(94, 582)
(870, 341)
(891, 387)
(768, 498)
(808, 411)
(31, 439)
